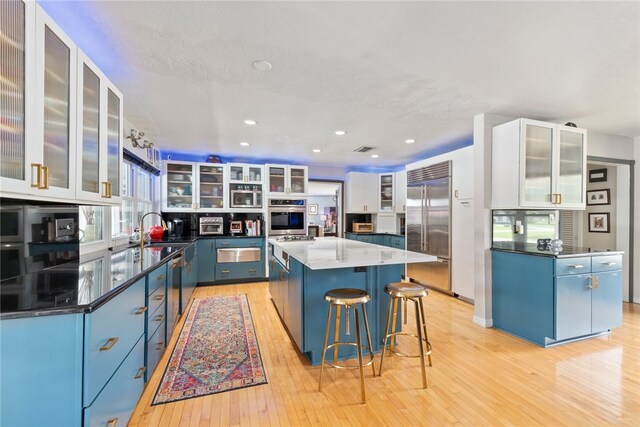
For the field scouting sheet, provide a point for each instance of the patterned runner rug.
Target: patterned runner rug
(217, 351)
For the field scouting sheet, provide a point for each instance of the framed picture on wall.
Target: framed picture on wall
(598, 175)
(598, 197)
(313, 209)
(599, 222)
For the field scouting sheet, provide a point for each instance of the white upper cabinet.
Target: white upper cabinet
(245, 173)
(361, 192)
(211, 187)
(178, 185)
(400, 194)
(99, 136)
(287, 180)
(386, 189)
(462, 174)
(538, 165)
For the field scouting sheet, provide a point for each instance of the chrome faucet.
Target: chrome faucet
(164, 227)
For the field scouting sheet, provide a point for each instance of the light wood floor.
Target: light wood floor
(479, 377)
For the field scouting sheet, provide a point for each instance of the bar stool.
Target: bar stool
(347, 298)
(407, 292)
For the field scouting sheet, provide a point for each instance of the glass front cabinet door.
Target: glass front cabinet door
(385, 192)
(571, 178)
(211, 186)
(178, 186)
(245, 173)
(286, 180)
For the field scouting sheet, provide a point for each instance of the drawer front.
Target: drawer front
(606, 263)
(239, 243)
(238, 255)
(110, 333)
(156, 299)
(245, 270)
(579, 265)
(117, 400)
(155, 349)
(156, 279)
(154, 320)
(397, 242)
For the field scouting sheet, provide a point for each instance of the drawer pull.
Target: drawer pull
(225, 271)
(160, 277)
(140, 372)
(593, 282)
(140, 310)
(159, 317)
(576, 266)
(252, 270)
(112, 422)
(159, 297)
(160, 346)
(110, 343)
(608, 263)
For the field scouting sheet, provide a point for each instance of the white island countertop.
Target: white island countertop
(335, 252)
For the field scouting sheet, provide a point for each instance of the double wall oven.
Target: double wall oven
(287, 217)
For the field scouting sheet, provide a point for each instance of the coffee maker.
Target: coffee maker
(175, 227)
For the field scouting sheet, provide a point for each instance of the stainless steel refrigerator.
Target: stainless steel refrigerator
(428, 224)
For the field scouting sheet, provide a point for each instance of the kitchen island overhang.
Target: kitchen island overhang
(300, 273)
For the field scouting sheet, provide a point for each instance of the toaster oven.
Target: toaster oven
(362, 227)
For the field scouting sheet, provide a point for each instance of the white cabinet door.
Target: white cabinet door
(245, 173)
(386, 190)
(287, 180)
(462, 173)
(115, 136)
(462, 258)
(537, 159)
(400, 194)
(361, 192)
(571, 169)
(178, 184)
(211, 187)
(298, 178)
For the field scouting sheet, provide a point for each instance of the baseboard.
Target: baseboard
(485, 323)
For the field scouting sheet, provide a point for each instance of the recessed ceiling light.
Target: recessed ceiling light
(375, 156)
(245, 144)
(341, 132)
(250, 122)
(409, 141)
(262, 65)
(317, 150)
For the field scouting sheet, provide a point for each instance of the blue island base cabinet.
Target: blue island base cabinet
(548, 300)
(306, 313)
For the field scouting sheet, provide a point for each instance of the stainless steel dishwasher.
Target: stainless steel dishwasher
(173, 294)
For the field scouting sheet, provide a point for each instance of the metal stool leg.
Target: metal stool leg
(394, 322)
(419, 327)
(386, 334)
(366, 328)
(336, 335)
(360, 362)
(324, 349)
(424, 325)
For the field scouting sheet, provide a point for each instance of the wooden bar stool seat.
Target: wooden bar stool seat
(347, 298)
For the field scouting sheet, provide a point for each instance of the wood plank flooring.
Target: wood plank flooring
(479, 377)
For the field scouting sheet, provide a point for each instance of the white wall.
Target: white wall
(597, 240)
(636, 222)
(612, 146)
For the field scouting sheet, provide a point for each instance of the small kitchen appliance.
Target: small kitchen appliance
(235, 227)
(211, 225)
(175, 227)
(362, 227)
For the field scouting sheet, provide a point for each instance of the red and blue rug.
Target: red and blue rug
(217, 351)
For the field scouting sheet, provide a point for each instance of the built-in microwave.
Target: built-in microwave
(11, 224)
(287, 217)
(246, 195)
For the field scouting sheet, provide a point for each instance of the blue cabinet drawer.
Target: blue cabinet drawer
(240, 270)
(117, 400)
(240, 243)
(397, 242)
(155, 320)
(156, 299)
(156, 279)
(579, 265)
(606, 263)
(155, 348)
(110, 333)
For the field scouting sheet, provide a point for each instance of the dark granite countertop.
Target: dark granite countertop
(533, 249)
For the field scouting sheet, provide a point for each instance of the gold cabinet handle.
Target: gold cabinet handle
(140, 372)
(140, 310)
(45, 181)
(159, 297)
(112, 422)
(559, 198)
(105, 190)
(38, 167)
(110, 190)
(160, 346)
(160, 277)
(159, 317)
(594, 282)
(110, 343)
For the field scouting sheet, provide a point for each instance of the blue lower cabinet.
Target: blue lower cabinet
(397, 242)
(189, 276)
(157, 279)
(573, 306)
(41, 371)
(606, 301)
(239, 270)
(110, 333)
(118, 399)
(206, 260)
(249, 242)
(156, 345)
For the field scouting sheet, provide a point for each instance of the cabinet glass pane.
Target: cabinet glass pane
(211, 186)
(571, 167)
(386, 192)
(179, 186)
(297, 180)
(57, 57)
(113, 142)
(12, 78)
(255, 174)
(276, 179)
(538, 161)
(90, 131)
(236, 173)
(90, 224)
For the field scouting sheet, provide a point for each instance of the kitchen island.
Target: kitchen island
(550, 298)
(300, 272)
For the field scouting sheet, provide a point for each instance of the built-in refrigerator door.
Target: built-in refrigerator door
(437, 218)
(414, 218)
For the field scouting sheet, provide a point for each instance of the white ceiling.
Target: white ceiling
(382, 71)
